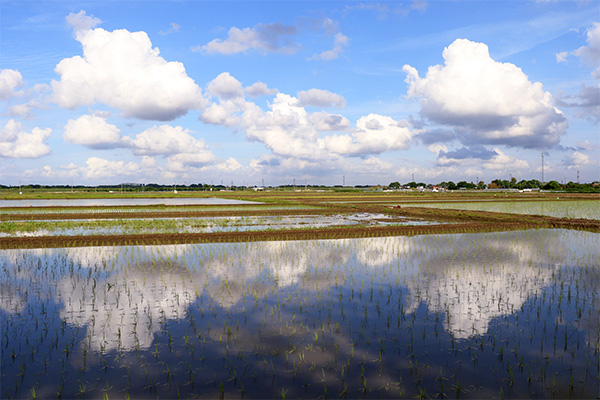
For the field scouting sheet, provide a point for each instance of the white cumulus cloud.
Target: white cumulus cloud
(10, 80)
(505, 162)
(374, 134)
(82, 22)
(225, 87)
(15, 142)
(92, 131)
(578, 159)
(166, 140)
(97, 167)
(258, 89)
(340, 42)
(590, 53)
(286, 129)
(320, 98)
(122, 69)
(487, 102)
(264, 38)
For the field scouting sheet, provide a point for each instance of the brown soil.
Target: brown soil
(471, 222)
(219, 237)
(462, 222)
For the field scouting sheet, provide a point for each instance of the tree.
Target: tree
(495, 184)
(552, 185)
(394, 185)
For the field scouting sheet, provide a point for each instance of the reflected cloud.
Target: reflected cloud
(122, 295)
(476, 278)
(125, 310)
(10, 300)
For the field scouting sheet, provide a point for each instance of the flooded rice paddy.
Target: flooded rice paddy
(511, 314)
(107, 202)
(589, 209)
(146, 209)
(195, 225)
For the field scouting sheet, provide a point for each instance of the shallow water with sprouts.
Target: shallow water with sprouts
(512, 314)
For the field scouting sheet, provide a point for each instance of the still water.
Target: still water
(179, 201)
(512, 314)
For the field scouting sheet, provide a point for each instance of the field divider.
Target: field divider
(345, 232)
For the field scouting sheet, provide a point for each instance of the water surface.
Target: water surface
(511, 314)
(120, 202)
(588, 209)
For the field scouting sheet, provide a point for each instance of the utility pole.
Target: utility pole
(542, 169)
(578, 177)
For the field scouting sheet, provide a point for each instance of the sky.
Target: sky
(306, 92)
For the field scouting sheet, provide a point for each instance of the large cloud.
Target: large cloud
(487, 102)
(123, 70)
(173, 141)
(97, 167)
(92, 131)
(286, 129)
(274, 37)
(10, 80)
(166, 140)
(289, 130)
(374, 134)
(16, 143)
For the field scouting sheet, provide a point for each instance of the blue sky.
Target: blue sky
(248, 92)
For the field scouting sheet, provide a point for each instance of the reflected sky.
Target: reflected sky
(472, 278)
(119, 202)
(124, 298)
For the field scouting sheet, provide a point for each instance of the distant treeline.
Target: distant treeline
(593, 187)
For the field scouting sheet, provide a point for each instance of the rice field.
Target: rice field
(507, 308)
(477, 315)
(147, 209)
(192, 225)
(589, 209)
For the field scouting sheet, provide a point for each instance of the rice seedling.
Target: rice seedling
(376, 317)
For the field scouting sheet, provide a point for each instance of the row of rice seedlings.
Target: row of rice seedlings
(172, 225)
(508, 315)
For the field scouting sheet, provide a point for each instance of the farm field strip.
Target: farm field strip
(307, 219)
(192, 224)
(146, 209)
(589, 209)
